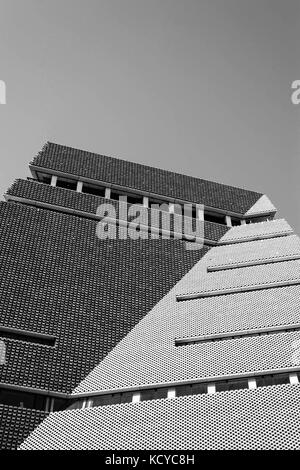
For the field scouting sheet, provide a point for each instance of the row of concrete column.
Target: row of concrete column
(211, 389)
(200, 212)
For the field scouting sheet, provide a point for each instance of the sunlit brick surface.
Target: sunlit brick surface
(266, 418)
(148, 354)
(263, 205)
(252, 276)
(248, 232)
(141, 177)
(260, 251)
(235, 312)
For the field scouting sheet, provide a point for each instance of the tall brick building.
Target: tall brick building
(143, 343)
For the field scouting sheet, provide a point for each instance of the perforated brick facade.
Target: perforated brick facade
(134, 319)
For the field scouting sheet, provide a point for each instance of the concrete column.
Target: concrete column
(293, 379)
(136, 397)
(79, 186)
(228, 221)
(51, 405)
(243, 222)
(171, 393)
(107, 193)
(145, 201)
(200, 213)
(53, 180)
(47, 407)
(211, 389)
(252, 384)
(171, 208)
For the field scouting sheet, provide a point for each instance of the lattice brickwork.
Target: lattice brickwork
(260, 251)
(266, 418)
(273, 228)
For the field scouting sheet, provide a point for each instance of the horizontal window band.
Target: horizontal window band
(217, 378)
(33, 390)
(51, 172)
(29, 400)
(197, 388)
(118, 222)
(27, 336)
(257, 262)
(237, 334)
(236, 290)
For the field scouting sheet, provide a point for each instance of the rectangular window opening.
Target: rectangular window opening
(44, 178)
(215, 218)
(22, 400)
(235, 222)
(93, 189)
(131, 198)
(27, 336)
(66, 184)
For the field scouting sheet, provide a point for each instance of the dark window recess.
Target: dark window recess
(27, 337)
(59, 404)
(227, 385)
(259, 219)
(22, 400)
(66, 184)
(131, 198)
(191, 389)
(44, 178)
(265, 380)
(235, 222)
(217, 219)
(154, 394)
(95, 190)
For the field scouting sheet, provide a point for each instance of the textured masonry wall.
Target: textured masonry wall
(266, 418)
(145, 178)
(16, 424)
(273, 228)
(148, 354)
(87, 203)
(260, 251)
(89, 293)
(229, 313)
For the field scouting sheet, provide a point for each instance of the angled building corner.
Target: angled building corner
(121, 338)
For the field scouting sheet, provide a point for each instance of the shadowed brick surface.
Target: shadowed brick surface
(34, 191)
(61, 280)
(145, 178)
(16, 424)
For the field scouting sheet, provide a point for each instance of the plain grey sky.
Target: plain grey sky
(201, 87)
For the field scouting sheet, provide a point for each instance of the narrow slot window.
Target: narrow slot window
(66, 184)
(235, 222)
(94, 190)
(22, 400)
(27, 336)
(131, 198)
(44, 178)
(215, 218)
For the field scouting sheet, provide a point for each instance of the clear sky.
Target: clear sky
(201, 87)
